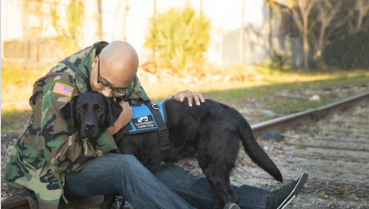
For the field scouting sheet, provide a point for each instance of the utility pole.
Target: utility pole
(154, 25)
(99, 20)
(270, 5)
(240, 36)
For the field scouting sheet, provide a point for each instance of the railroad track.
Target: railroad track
(331, 143)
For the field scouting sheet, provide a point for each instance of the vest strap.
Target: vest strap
(162, 131)
(78, 71)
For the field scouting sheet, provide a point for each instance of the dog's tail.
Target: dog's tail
(255, 152)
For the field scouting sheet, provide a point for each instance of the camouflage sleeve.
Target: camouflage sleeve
(64, 150)
(136, 91)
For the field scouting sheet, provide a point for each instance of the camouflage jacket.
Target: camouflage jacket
(49, 147)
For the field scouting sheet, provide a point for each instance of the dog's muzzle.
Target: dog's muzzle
(89, 129)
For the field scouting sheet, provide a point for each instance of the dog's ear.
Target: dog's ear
(68, 111)
(114, 110)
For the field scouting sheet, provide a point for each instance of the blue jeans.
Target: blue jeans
(170, 186)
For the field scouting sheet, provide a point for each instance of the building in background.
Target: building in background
(243, 32)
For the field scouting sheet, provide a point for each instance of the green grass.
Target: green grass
(352, 196)
(297, 104)
(262, 85)
(263, 93)
(321, 194)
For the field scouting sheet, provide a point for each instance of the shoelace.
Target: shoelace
(279, 190)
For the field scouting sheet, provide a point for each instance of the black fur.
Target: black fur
(90, 114)
(210, 132)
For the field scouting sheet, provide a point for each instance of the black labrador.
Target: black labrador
(210, 132)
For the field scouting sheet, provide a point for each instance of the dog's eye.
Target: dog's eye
(99, 110)
(81, 109)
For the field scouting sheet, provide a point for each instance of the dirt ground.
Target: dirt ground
(334, 152)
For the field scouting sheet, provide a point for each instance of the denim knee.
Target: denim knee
(124, 167)
(104, 175)
(126, 160)
(127, 163)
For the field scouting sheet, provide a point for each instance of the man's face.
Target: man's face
(110, 82)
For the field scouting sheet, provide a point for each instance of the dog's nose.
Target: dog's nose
(90, 126)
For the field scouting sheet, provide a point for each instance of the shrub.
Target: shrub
(178, 39)
(279, 59)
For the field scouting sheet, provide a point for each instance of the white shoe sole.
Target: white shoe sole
(292, 195)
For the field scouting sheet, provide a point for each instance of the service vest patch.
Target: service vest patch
(143, 119)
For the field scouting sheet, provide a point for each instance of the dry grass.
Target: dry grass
(17, 86)
(227, 79)
(221, 84)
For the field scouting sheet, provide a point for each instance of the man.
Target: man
(51, 162)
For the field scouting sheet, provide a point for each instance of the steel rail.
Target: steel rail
(311, 115)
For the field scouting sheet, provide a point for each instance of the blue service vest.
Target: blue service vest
(143, 119)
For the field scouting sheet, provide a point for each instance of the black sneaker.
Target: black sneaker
(280, 198)
(231, 205)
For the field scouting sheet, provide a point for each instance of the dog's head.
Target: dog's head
(91, 113)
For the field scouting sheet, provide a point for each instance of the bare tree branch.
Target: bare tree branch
(362, 6)
(300, 15)
(327, 13)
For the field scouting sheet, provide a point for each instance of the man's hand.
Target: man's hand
(180, 96)
(124, 118)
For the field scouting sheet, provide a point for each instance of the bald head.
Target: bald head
(118, 65)
(120, 55)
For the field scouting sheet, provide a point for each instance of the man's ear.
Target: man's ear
(114, 111)
(68, 111)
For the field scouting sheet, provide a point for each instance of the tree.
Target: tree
(327, 12)
(300, 15)
(362, 8)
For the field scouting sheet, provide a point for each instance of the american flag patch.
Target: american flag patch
(63, 89)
